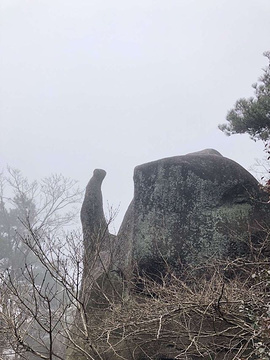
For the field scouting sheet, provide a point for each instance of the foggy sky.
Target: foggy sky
(116, 83)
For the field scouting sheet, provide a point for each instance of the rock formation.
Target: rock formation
(92, 215)
(97, 240)
(186, 210)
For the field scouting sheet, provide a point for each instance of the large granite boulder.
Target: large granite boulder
(189, 209)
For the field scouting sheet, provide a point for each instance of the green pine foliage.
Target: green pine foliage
(252, 115)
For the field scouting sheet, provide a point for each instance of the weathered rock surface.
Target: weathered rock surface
(186, 209)
(92, 214)
(190, 208)
(98, 243)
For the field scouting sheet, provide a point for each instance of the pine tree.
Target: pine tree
(252, 115)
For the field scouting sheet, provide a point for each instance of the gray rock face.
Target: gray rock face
(96, 237)
(95, 232)
(190, 208)
(186, 210)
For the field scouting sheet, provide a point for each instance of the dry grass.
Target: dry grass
(222, 314)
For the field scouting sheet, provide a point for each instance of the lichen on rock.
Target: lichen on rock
(190, 208)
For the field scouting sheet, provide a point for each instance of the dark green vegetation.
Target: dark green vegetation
(252, 115)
